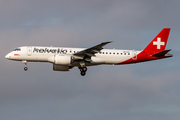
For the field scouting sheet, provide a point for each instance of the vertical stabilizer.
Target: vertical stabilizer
(158, 44)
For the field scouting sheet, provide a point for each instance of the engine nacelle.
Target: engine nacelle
(97, 60)
(60, 60)
(60, 68)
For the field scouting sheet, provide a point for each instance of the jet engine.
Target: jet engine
(97, 60)
(60, 60)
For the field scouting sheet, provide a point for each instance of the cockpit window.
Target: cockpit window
(17, 49)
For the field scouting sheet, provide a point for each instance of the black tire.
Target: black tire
(25, 68)
(84, 68)
(81, 69)
(83, 73)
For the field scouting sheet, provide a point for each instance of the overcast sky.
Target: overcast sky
(143, 91)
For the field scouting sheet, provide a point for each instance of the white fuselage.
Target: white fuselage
(64, 58)
(42, 54)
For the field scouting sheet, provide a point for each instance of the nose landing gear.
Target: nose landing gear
(25, 68)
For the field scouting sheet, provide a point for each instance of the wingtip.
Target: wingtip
(107, 42)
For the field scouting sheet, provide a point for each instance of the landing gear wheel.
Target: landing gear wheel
(81, 69)
(25, 68)
(84, 68)
(83, 73)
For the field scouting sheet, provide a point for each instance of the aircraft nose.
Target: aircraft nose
(8, 56)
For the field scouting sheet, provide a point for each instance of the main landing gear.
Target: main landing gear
(83, 70)
(25, 68)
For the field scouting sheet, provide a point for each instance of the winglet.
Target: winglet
(104, 43)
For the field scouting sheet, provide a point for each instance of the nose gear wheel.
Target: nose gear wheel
(25, 68)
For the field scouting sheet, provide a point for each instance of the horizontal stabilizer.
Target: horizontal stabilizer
(162, 53)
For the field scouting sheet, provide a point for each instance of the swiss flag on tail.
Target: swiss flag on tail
(158, 44)
(155, 50)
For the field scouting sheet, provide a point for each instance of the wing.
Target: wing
(90, 51)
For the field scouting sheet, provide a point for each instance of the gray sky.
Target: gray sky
(143, 91)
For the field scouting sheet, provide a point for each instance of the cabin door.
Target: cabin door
(29, 51)
(134, 55)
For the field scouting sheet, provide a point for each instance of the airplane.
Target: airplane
(63, 58)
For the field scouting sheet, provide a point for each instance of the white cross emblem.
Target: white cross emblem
(158, 43)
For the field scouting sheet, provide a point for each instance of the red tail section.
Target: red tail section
(158, 44)
(155, 49)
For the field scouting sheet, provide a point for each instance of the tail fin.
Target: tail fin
(154, 51)
(158, 44)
